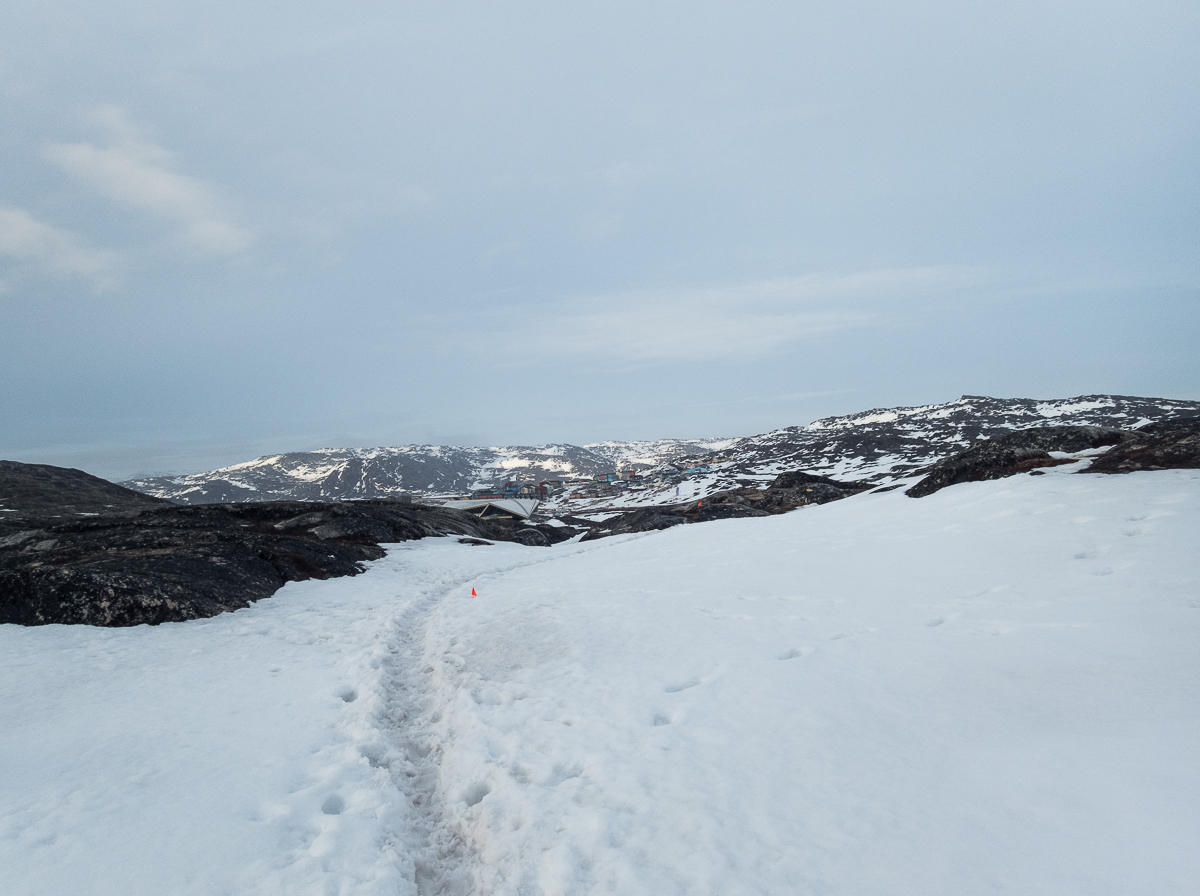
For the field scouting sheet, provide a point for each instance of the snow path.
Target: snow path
(247, 753)
(279, 749)
(990, 689)
(413, 752)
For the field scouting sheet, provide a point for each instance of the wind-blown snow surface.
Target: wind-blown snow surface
(991, 689)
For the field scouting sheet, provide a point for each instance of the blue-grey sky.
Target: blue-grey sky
(229, 229)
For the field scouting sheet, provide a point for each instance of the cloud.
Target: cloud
(728, 322)
(53, 250)
(138, 174)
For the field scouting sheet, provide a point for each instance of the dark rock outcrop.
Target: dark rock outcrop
(1012, 453)
(171, 563)
(647, 519)
(707, 511)
(37, 491)
(1166, 445)
(787, 492)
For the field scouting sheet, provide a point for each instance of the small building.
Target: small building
(496, 508)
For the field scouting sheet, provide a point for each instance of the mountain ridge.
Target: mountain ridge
(877, 446)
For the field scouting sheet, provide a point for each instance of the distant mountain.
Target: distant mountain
(884, 445)
(334, 473)
(879, 446)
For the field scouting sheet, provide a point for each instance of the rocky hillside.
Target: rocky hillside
(337, 473)
(37, 491)
(139, 560)
(885, 445)
(877, 447)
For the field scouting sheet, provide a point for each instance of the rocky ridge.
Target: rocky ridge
(1016, 452)
(339, 473)
(40, 490)
(878, 447)
(787, 492)
(172, 563)
(886, 445)
(77, 549)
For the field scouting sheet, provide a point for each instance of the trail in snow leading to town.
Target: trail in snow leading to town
(992, 688)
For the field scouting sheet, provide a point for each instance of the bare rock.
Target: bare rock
(1167, 445)
(170, 563)
(1012, 453)
(647, 519)
(40, 491)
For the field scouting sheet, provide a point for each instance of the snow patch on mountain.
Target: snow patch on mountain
(880, 446)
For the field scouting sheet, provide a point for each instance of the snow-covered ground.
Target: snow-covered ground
(991, 689)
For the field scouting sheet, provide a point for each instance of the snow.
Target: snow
(989, 689)
(1059, 408)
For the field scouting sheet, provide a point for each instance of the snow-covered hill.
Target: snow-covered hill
(339, 473)
(877, 446)
(989, 690)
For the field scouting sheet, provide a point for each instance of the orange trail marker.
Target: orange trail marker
(473, 594)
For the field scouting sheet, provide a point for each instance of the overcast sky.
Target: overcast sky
(230, 229)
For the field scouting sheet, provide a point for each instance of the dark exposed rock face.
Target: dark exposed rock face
(1167, 445)
(1012, 453)
(646, 520)
(787, 492)
(33, 491)
(178, 563)
(707, 511)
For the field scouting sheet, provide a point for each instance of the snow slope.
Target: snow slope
(990, 689)
(881, 446)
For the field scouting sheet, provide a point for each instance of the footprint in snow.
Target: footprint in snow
(695, 680)
(794, 653)
(682, 686)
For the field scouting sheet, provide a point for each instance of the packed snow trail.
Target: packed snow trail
(990, 689)
(247, 753)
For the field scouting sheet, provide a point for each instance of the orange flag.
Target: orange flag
(473, 594)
